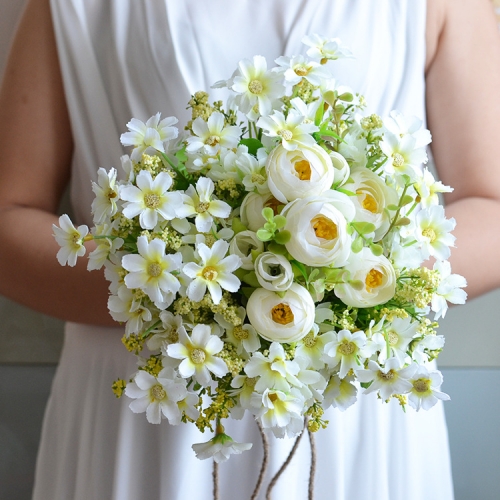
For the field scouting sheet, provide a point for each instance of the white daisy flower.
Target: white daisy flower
(449, 289)
(168, 333)
(106, 245)
(151, 271)
(325, 49)
(243, 387)
(150, 199)
(388, 379)
(340, 393)
(198, 354)
(242, 336)
(425, 392)
(220, 448)
(433, 231)
(151, 134)
(214, 272)
(292, 130)
(255, 85)
(295, 68)
(106, 195)
(312, 347)
(280, 412)
(125, 308)
(428, 188)
(198, 203)
(211, 135)
(401, 125)
(346, 349)
(427, 343)
(157, 396)
(252, 171)
(70, 239)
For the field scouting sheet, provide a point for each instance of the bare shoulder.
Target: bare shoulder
(436, 13)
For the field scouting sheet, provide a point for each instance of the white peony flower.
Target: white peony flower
(376, 275)
(157, 396)
(213, 272)
(149, 135)
(150, 198)
(211, 135)
(305, 171)
(245, 245)
(373, 196)
(151, 271)
(278, 318)
(318, 228)
(198, 203)
(198, 354)
(274, 272)
(70, 239)
(251, 209)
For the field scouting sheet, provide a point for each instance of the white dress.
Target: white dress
(132, 58)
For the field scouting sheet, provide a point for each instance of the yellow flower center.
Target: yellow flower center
(213, 140)
(428, 232)
(173, 336)
(111, 193)
(310, 340)
(251, 381)
(197, 356)
(158, 392)
(258, 179)
(273, 204)
(393, 338)
(301, 70)
(369, 203)
(255, 87)
(202, 207)
(240, 333)
(286, 134)
(152, 200)
(398, 160)
(303, 169)
(386, 376)
(154, 270)
(282, 314)
(273, 397)
(346, 348)
(210, 273)
(76, 239)
(373, 279)
(324, 227)
(422, 384)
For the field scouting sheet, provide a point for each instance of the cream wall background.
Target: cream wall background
(30, 345)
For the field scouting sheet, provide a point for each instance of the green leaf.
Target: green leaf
(393, 208)
(264, 235)
(276, 248)
(376, 249)
(268, 213)
(346, 191)
(283, 237)
(280, 221)
(181, 155)
(404, 221)
(296, 265)
(346, 97)
(363, 227)
(252, 144)
(357, 284)
(251, 279)
(357, 245)
(237, 226)
(405, 200)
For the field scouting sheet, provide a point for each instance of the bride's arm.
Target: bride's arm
(463, 107)
(36, 147)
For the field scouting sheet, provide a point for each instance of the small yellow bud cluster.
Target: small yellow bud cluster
(153, 365)
(200, 108)
(228, 186)
(402, 398)
(233, 361)
(392, 313)
(118, 387)
(417, 286)
(289, 350)
(152, 164)
(346, 322)
(170, 236)
(314, 420)
(371, 122)
(133, 343)
(219, 408)
(305, 90)
(125, 227)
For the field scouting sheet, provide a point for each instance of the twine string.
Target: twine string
(312, 470)
(215, 476)
(274, 480)
(265, 460)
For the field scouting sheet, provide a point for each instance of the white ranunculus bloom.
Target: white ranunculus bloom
(243, 244)
(281, 319)
(378, 278)
(318, 228)
(251, 209)
(274, 272)
(305, 171)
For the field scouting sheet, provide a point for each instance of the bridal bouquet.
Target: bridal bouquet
(271, 257)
